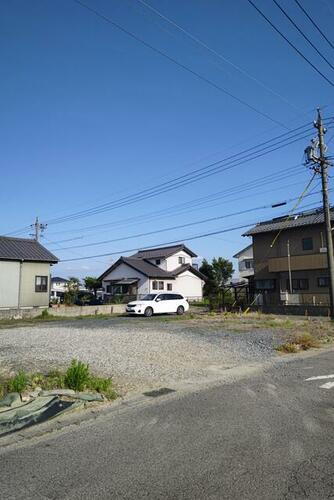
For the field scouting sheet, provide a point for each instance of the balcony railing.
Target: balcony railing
(298, 263)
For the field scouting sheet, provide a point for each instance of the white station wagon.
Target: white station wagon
(158, 303)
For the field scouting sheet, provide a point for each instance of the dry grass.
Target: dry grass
(299, 342)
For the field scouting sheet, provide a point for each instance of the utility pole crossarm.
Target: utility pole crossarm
(38, 229)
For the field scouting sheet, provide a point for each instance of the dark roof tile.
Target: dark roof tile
(286, 222)
(24, 249)
(155, 253)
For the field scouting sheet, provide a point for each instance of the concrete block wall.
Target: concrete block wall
(32, 312)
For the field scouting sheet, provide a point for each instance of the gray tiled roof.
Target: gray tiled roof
(297, 220)
(24, 249)
(151, 270)
(146, 267)
(156, 253)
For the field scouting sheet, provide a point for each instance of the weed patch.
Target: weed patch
(77, 377)
(18, 383)
(299, 342)
(287, 348)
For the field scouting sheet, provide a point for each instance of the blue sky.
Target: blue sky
(89, 115)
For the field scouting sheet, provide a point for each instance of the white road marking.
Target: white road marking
(320, 377)
(328, 385)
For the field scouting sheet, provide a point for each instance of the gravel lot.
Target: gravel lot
(137, 352)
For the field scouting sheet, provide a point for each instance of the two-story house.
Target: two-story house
(290, 259)
(245, 263)
(156, 269)
(58, 288)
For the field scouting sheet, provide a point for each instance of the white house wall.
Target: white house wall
(189, 285)
(9, 283)
(173, 260)
(162, 265)
(124, 271)
(165, 288)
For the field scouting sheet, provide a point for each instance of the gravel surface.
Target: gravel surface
(137, 352)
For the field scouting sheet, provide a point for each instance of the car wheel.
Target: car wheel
(148, 312)
(180, 310)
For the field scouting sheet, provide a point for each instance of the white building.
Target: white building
(245, 262)
(58, 288)
(148, 271)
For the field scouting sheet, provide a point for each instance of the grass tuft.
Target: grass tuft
(299, 342)
(287, 348)
(18, 383)
(77, 375)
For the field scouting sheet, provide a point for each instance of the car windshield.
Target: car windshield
(150, 296)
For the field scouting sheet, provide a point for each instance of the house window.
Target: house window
(108, 288)
(154, 285)
(307, 243)
(161, 285)
(182, 260)
(248, 264)
(323, 281)
(169, 287)
(298, 284)
(158, 262)
(41, 283)
(265, 284)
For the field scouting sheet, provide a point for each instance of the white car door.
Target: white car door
(162, 304)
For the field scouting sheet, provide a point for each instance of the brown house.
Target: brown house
(301, 278)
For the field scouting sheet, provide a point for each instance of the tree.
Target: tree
(210, 287)
(222, 271)
(217, 273)
(71, 295)
(92, 284)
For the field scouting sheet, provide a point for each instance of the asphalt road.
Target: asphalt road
(267, 436)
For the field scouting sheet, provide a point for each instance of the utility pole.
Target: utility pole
(38, 229)
(320, 166)
(289, 266)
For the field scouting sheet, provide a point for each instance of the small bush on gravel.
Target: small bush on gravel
(287, 347)
(77, 375)
(306, 341)
(302, 341)
(103, 386)
(18, 383)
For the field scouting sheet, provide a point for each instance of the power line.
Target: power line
(181, 226)
(183, 180)
(162, 244)
(213, 233)
(302, 33)
(214, 52)
(177, 63)
(314, 24)
(199, 203)
(138, 196)
(290, 43)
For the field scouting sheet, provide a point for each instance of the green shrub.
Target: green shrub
(102, 385)
(18, 383)
(77, 375)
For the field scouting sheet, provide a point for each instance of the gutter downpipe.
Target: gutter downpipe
(20, 280)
